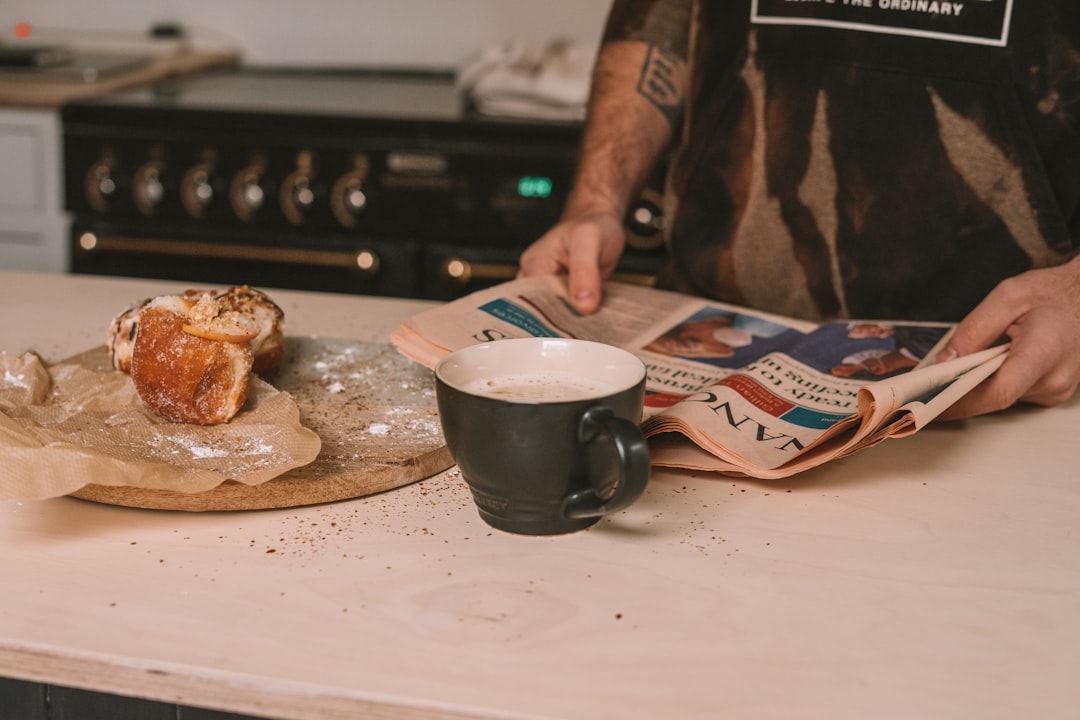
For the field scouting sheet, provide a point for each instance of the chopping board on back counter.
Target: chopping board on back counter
(373, 409)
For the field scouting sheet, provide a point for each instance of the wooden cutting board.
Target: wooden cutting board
(373, 409)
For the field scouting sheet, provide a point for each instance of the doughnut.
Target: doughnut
(268, 346)
(187, 370)
(190, 356)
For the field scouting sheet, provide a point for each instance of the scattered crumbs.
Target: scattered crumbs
(618, 616)
(333, 530)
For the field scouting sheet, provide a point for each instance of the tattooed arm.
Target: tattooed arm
(638, 87)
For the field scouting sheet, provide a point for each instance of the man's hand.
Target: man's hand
(585, 248)
(637, 92)
(1040, 312)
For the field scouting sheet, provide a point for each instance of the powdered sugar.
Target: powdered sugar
(14, 380)
(368, 403)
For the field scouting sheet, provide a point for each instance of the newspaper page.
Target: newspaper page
(730, 389)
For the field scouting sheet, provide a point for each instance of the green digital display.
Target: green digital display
(534, 186)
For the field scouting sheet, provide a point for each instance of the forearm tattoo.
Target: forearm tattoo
(664, 25)
(658, 85)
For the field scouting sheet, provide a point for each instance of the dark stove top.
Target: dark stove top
(296, 92)
(375, 95)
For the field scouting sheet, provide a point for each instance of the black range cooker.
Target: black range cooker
(380, 183)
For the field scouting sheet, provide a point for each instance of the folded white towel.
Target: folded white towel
(523, 79)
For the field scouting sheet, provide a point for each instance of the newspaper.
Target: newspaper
(730, 389)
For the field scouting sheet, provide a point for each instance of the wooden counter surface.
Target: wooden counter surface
(931, 577)
(19, 90)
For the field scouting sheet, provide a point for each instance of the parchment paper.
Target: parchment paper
(81, 422)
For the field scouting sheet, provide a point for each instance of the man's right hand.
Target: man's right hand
(583, 247)
(637, 93)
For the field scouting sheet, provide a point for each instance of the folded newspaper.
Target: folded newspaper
(730, 389)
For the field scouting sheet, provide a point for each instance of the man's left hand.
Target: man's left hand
(1039, 311)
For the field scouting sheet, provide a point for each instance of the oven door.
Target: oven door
(369, 266)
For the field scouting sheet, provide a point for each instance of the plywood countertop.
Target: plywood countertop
(931, 577)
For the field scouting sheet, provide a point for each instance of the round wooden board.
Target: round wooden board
(292, 489)
(374, 410)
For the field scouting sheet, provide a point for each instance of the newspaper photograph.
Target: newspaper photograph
(729, 389)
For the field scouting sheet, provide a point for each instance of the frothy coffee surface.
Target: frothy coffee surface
(539, 387)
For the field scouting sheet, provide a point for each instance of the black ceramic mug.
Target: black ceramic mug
(545, 430)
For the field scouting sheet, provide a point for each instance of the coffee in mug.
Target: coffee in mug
(539, 387)
(545, 431)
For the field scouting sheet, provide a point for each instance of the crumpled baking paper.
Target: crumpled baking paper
(80, 422)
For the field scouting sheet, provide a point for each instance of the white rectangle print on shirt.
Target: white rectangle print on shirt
(981, 22)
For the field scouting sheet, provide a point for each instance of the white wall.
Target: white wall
(419, 33)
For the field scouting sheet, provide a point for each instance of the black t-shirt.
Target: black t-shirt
(876, 158)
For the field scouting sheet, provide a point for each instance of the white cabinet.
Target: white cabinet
(33, 225)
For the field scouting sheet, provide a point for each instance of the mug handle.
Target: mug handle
(633, 461)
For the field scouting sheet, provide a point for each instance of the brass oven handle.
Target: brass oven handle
(366, 261)
(458, 272)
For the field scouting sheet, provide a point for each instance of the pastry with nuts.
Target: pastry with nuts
(191, 356)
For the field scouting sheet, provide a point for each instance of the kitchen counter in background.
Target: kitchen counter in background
(930, 577)
(24, 90)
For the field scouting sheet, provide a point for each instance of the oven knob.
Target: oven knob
(196, 192)
(100, 185)
(246, 194)
(297, 197)
(355, 200)
(148, 189)
(297, 192)
(348, 200)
